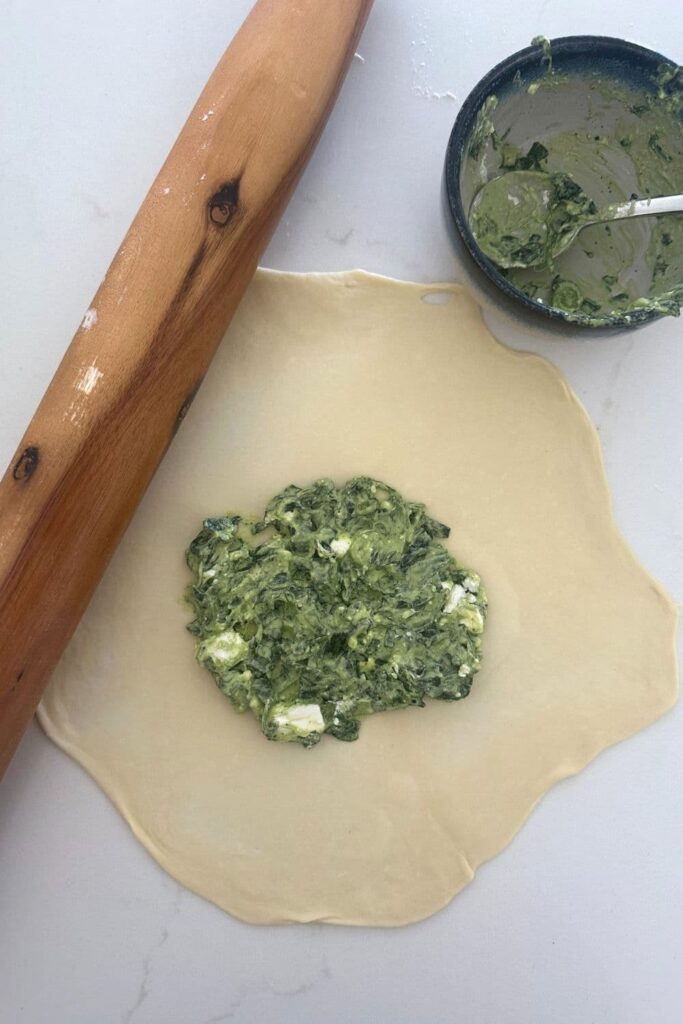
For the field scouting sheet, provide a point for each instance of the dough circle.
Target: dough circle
(338, 375)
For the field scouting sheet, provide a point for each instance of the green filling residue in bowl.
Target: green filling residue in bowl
(614, 144)
(338, 603)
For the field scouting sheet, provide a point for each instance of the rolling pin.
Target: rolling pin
(144, 345)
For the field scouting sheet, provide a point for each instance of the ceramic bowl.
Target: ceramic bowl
(593, 92)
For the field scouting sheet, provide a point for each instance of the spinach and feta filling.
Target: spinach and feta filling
(338, 603)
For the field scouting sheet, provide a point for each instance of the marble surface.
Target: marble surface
(580, 920)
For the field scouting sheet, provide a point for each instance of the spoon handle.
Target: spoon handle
(645, 207)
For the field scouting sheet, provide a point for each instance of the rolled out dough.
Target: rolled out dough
(339, 375)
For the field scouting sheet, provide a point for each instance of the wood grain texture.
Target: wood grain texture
(143, 347)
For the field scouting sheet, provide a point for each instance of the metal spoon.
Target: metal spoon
(623, 211)
(526, 232)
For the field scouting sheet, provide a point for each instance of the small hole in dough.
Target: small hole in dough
(436, 298)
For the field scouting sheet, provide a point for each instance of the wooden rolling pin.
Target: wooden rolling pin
(144, 345)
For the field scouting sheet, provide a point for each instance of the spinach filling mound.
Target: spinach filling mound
(339, 603)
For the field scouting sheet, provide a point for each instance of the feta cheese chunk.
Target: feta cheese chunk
(471, 583)
(340, 546)
(225, 649)
(301, 719)
(454, 598)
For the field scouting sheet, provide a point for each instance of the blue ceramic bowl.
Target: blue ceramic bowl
(527, 116)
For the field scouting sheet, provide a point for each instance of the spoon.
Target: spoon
(527, 218)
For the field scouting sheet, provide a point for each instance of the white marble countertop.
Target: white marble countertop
(579, 921)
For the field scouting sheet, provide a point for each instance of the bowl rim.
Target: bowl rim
(499, 75)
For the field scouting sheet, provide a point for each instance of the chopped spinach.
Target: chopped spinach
(655, 145)
(660, 268)
(339, 603)
(547, 54)
(512, 160)
(484, 128)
